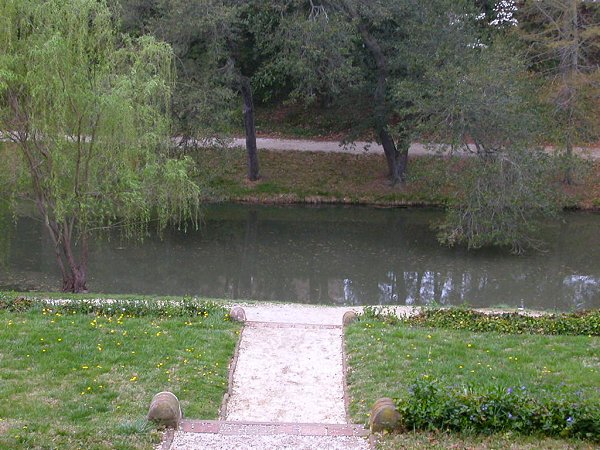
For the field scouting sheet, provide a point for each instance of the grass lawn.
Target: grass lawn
(444, 441)
(310, 177)
(75, 380)
(385, 360)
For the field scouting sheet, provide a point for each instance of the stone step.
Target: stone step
(271, 428)
(222, 435)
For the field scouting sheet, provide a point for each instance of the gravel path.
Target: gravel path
(288, 385)
(288, 374)
(257, 442)
(362, 147)
(306, 314)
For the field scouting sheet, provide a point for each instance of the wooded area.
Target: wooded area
(91, 91)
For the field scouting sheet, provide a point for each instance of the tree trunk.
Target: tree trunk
(253, 169)
(75, 275)
(76, 281)
(397, 161)
(569, 67)
(249, 257)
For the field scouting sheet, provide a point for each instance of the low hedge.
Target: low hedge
(429, 405)
(184, 307)
(584, 323)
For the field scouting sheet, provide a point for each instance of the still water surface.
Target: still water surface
(328, 255)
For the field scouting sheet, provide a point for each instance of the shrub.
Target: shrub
(14, 303)
(185, 307)
(430, 406)
(585, 323)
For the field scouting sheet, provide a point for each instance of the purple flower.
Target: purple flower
(570, 420)
(509, 391)
(510, 416)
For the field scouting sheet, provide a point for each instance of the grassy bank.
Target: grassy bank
(508, 441)
(310, 177)
(83, 377)
(432, 371)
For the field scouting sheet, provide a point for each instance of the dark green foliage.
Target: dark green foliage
(429, 405)
(14, 302)
(585, 323)
(502, 200)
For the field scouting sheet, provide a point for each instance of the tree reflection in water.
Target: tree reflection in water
(331, 255)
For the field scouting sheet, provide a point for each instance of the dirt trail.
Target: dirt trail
(365, 147)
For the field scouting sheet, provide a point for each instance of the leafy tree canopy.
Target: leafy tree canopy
(86, 112)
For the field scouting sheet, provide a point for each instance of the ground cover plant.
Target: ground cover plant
(474, 382)
(578, 323)
(82, 374)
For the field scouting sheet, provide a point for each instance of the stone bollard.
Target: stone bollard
(384, 416)
(165, 410)
(349, 317)
(237, 314)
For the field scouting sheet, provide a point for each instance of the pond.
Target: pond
(327, 255)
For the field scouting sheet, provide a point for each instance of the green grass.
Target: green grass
(75, 380)
(508, 441)
(385, 360)
(315, 177)
(311, 177)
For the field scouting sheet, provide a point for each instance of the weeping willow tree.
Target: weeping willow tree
(86, 112)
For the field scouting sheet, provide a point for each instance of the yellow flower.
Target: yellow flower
(133, 378)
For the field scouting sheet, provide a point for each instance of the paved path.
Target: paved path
(362, 147)
(288, 387)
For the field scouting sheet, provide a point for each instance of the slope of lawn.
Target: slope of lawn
(76, 379)
(430, 370)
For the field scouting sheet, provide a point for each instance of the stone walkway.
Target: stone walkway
(287, 387)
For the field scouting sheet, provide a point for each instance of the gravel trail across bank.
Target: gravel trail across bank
(362, 147)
